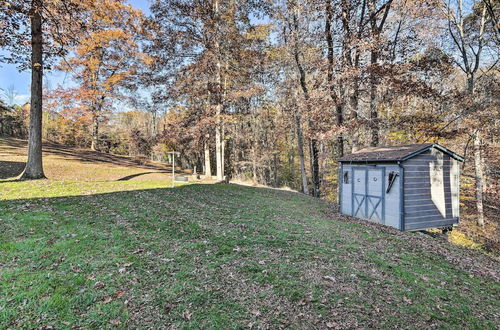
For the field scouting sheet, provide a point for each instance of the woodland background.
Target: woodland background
(272, 92)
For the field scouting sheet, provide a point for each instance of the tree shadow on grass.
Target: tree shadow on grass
(10, 169)
(128, 177)
(78, 154)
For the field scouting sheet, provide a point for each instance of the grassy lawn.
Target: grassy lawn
(107, 243)
(139, 254)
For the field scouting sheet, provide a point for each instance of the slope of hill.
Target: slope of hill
(96, 254)
(66, 163)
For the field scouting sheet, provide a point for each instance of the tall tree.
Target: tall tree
(34, 167)
(34, 32)
(106, 59)
(338, 103)
(313, 143)
(467, 31)
(205, 52)
(219, 138)
(377, 17)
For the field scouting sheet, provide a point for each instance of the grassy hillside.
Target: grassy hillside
(139, 254)
(65, 163)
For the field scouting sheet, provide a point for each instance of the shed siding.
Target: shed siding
(428, 191)
(392, 198)
(346, 191)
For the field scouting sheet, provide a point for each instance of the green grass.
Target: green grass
(141, 254)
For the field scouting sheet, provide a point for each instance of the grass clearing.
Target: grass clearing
(137, 253)
(219, 256)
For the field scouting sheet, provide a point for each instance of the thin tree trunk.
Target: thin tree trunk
(337, 102)
(291, 153)
(376, 30)
(155, 130)
(219, 161)
(95, 132)
(354, 97)
(311, 159)
(470, 84)
(254, 166)
(470, 65)
(374, 125)
(484, 169)
(228, 150)
(302, 81)
(300, 150)
(34, 166)
(315, 167)
(223, 150)
(478, 162)
(354, 102)
(218, 146)
(275, 169)
(208, 168)
(479, 177)
(340, 137)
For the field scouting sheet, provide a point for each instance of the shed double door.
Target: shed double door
(368, 194)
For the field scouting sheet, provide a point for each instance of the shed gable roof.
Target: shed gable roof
(395, 153)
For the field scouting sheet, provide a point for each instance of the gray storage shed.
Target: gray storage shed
(409, 187)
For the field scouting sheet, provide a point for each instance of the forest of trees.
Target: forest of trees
(269, 91)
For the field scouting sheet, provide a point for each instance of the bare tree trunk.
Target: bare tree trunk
(311, 159)
(208, 167)
(376, 30)
(484, 169)
(218, 149)
(336, 100)
(479, 178)
(354, 102)
(374, 125)
(95, 132)
(254, 165)
(470, 84)
(340, 137)
(302, 81)
(34, 166)
(470, 66)
(275, 169)
(153, 117)
(354, 97)
(223, 150)
(291, 153)
(300, 147)
(478, 163)
(219, 161)
(315, 167)
(218, 144)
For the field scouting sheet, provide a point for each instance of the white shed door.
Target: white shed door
(359, 193)
(375, 195)
(368, 194)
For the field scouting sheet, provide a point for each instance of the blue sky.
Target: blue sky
(10, 76)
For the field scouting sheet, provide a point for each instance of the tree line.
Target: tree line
(269, 91)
